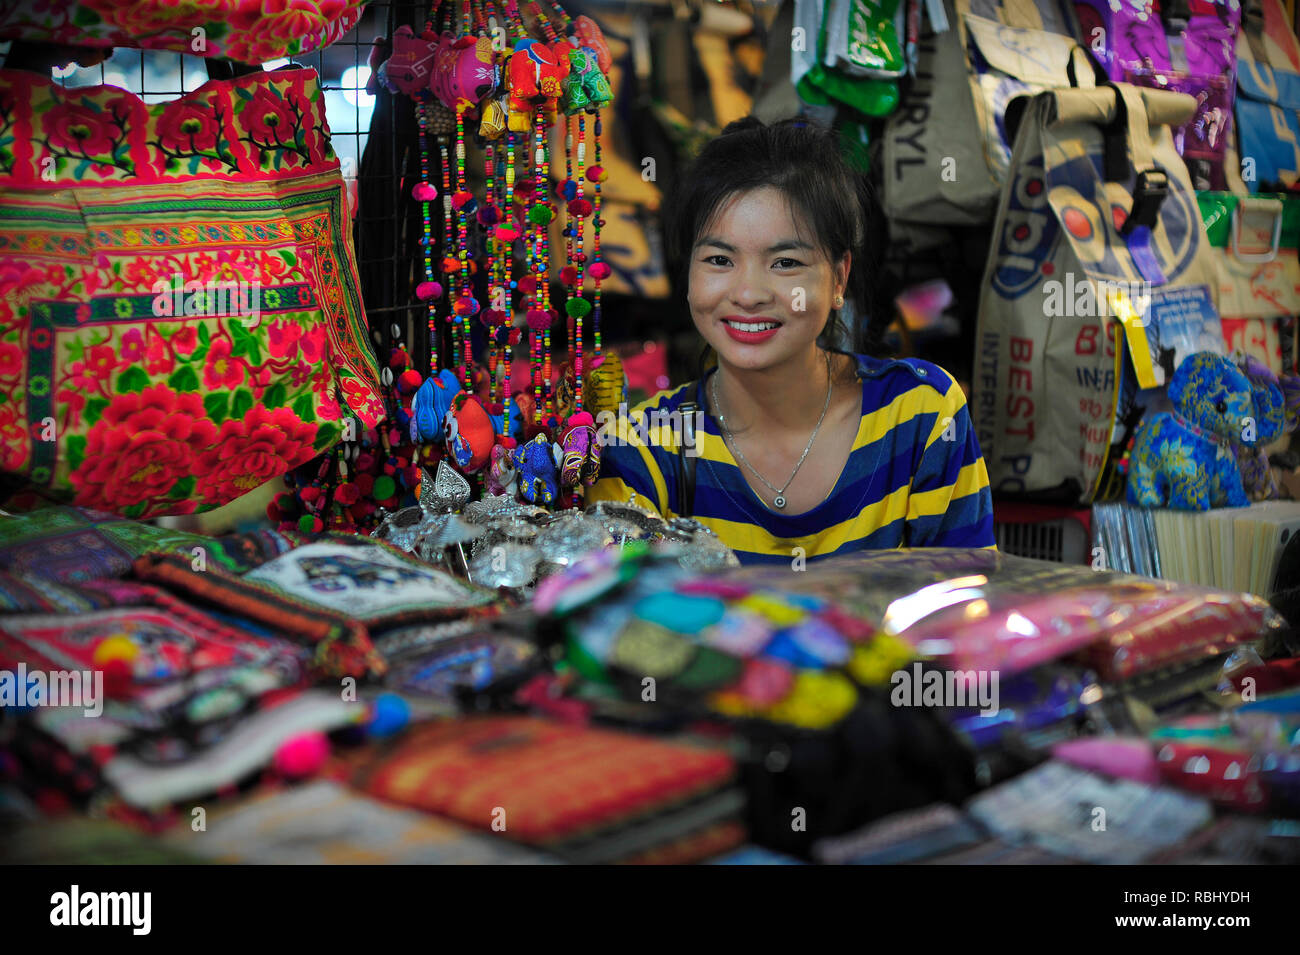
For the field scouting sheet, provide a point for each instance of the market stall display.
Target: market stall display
(436, 648)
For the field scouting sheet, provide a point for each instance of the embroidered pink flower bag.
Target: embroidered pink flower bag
(179, 314)
(251, 31)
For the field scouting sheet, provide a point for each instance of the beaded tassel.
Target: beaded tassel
(542, 170)
(464, 289)
(449, 262)
(508, 263)
(597, 222)
(493, 267)
(425, 194)
(547, 29)
(579, 259)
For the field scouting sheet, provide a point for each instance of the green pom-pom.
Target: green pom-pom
(577, 307)
(540, 215)
(306, 523)
(385, 487)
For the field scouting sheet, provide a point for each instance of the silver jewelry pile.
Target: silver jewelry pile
(500, 542)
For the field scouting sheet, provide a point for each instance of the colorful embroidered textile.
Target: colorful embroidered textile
(574, 790)
(179, 315)
(251, 31)
(250, 745)
(171, 642)
(370, 581)
(341, 646)
(76, 544)
(330, 595)
(26, 593)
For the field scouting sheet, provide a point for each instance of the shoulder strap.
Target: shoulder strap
(686, 462)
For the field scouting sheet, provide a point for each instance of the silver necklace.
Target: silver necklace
(779, 500)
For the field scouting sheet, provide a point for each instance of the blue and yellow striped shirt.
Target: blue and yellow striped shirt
(915, 476)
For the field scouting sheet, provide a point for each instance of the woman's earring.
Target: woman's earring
(839, 301)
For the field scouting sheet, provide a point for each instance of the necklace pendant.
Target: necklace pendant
(779, 501)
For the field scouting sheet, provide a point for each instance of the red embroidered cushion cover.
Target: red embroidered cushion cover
(251, 31)
(179, 310)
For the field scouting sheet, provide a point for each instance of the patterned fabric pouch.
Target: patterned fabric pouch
(71, 545)
(179, 315)
(246, 30)
(332, 595)
(588, 795)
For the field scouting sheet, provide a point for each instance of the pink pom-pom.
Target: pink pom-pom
(600, 271)
(539, 320)
(301, 756)
(463, 200)
(465, 306)
(409, 380)
(580, 418)
(528, 285)
(568, 275)
(427, 290)
(424, 192)
(493, 317)
(504, 233)
(595, 174)
(580, 208)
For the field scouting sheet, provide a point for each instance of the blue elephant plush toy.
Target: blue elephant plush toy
(538, 473)
(1184, 459)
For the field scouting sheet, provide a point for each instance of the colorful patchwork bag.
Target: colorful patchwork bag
(179, 314)
(250, 31)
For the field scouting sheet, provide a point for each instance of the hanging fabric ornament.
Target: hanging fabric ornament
(581, 461)
(589, 35)
(586, 88)
(502, 476)
(535, 461)
(535, 76)
(605, 387)
(431, 404)
(469, 434)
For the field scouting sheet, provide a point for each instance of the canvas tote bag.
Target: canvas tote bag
(1098, 282)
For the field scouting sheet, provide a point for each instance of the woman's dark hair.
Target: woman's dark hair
(804, 162)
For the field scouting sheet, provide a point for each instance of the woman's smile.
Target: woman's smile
(750, 331)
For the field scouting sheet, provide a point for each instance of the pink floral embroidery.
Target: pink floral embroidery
(221, 370)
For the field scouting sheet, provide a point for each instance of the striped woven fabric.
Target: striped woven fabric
(914, 478)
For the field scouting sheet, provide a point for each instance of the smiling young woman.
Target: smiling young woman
(803, 445)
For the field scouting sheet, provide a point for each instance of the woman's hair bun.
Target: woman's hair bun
(740, 125)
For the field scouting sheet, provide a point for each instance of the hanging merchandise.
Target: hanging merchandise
(1124, 36)
(1253, 241)
(1098, 222)
(934, 169)
(855, 57)
(1199, 60)
(180, 319)
(1261, 158)
(250, 31)
(484, 78)
(1268, 115)
(1007, 62)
